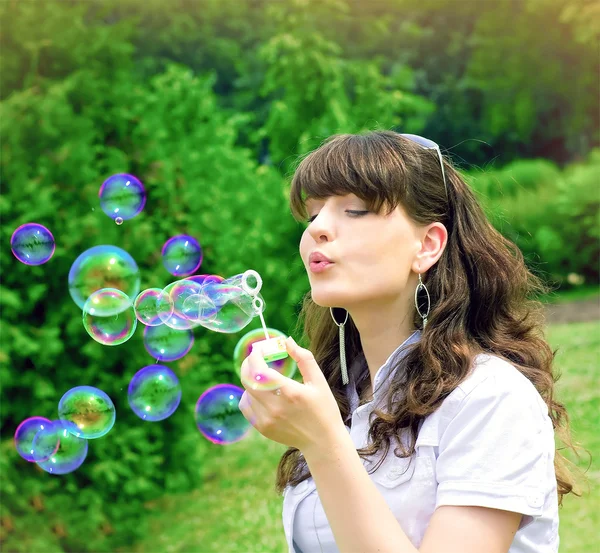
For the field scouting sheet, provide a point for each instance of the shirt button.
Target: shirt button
(535, 500)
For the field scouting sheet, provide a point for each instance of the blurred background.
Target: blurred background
(210, 103)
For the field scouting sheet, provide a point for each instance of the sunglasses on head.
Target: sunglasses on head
(429, 145)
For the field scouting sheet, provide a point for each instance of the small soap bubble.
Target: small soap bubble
(286, 365)
(147, 309)
(164, 343)
(32, 244)
(103, 267)
(218, 416)
(181, 255)
(86, 412)
(199, 308)
(122, 197)
(109, 317)
(69, 456)
(25, 434)
(154, 393)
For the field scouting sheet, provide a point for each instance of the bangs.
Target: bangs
(368, 166)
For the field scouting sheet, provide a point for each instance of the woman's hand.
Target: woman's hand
(304, 415)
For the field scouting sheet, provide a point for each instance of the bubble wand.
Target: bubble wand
(272, 349)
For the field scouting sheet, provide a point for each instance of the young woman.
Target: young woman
(426, 418)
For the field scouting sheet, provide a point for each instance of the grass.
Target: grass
(238, 511)
(578, 293)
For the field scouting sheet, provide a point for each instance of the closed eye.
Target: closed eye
(352, 212)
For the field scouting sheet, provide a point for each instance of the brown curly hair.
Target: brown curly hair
(483, 296)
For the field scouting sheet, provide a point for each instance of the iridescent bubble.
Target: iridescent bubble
(69, 456)
(32, 244)
(286, 365)
(147, 309)
(109, 317)
(175, 295)
(122, 197)
(181, 255)
(197, 306)
(25, 434)
(235, 308)
(46, 442)
(167, 344)
(86, 412)
(218, 416)
(154, 393)
(206, 279)
(103, 267)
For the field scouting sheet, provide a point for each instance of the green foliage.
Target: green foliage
(552, 215)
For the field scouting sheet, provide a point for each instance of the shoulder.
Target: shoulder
(493, 393)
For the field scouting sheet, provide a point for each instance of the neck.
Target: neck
(382, 329)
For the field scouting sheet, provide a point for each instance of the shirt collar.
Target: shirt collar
(382, 374)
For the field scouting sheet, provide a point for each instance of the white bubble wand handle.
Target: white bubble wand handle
(271, 348)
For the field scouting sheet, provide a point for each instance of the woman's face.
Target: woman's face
(372, 254)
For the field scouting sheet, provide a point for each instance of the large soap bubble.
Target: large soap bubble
(87, 412)
(32, 244)
(103, 267)
(218, 416)
(122, 197)
(109, 317)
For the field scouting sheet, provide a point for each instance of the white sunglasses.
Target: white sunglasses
(429, 145)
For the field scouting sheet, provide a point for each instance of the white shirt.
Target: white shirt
(489, 444)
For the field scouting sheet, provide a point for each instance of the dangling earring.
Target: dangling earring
(345, 378)
(419, 286)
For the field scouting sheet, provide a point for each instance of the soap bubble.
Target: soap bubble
(103, 267)
(109, 317)
(86, 412)
(69, 456)
(234, 307)
(175, 295)
(196, 306)
(154, 393)
(181, 255)
(206, 279)
(147, 309)
(25, 434)
(199, 308)
(218, 416)
(32, 244)
(286, 365)
(46, 442)
(122, 197)
(167, 344)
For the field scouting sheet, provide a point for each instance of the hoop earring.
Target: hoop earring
(345, 378)
(422, 286)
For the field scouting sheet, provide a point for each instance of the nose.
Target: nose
(321, 228)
